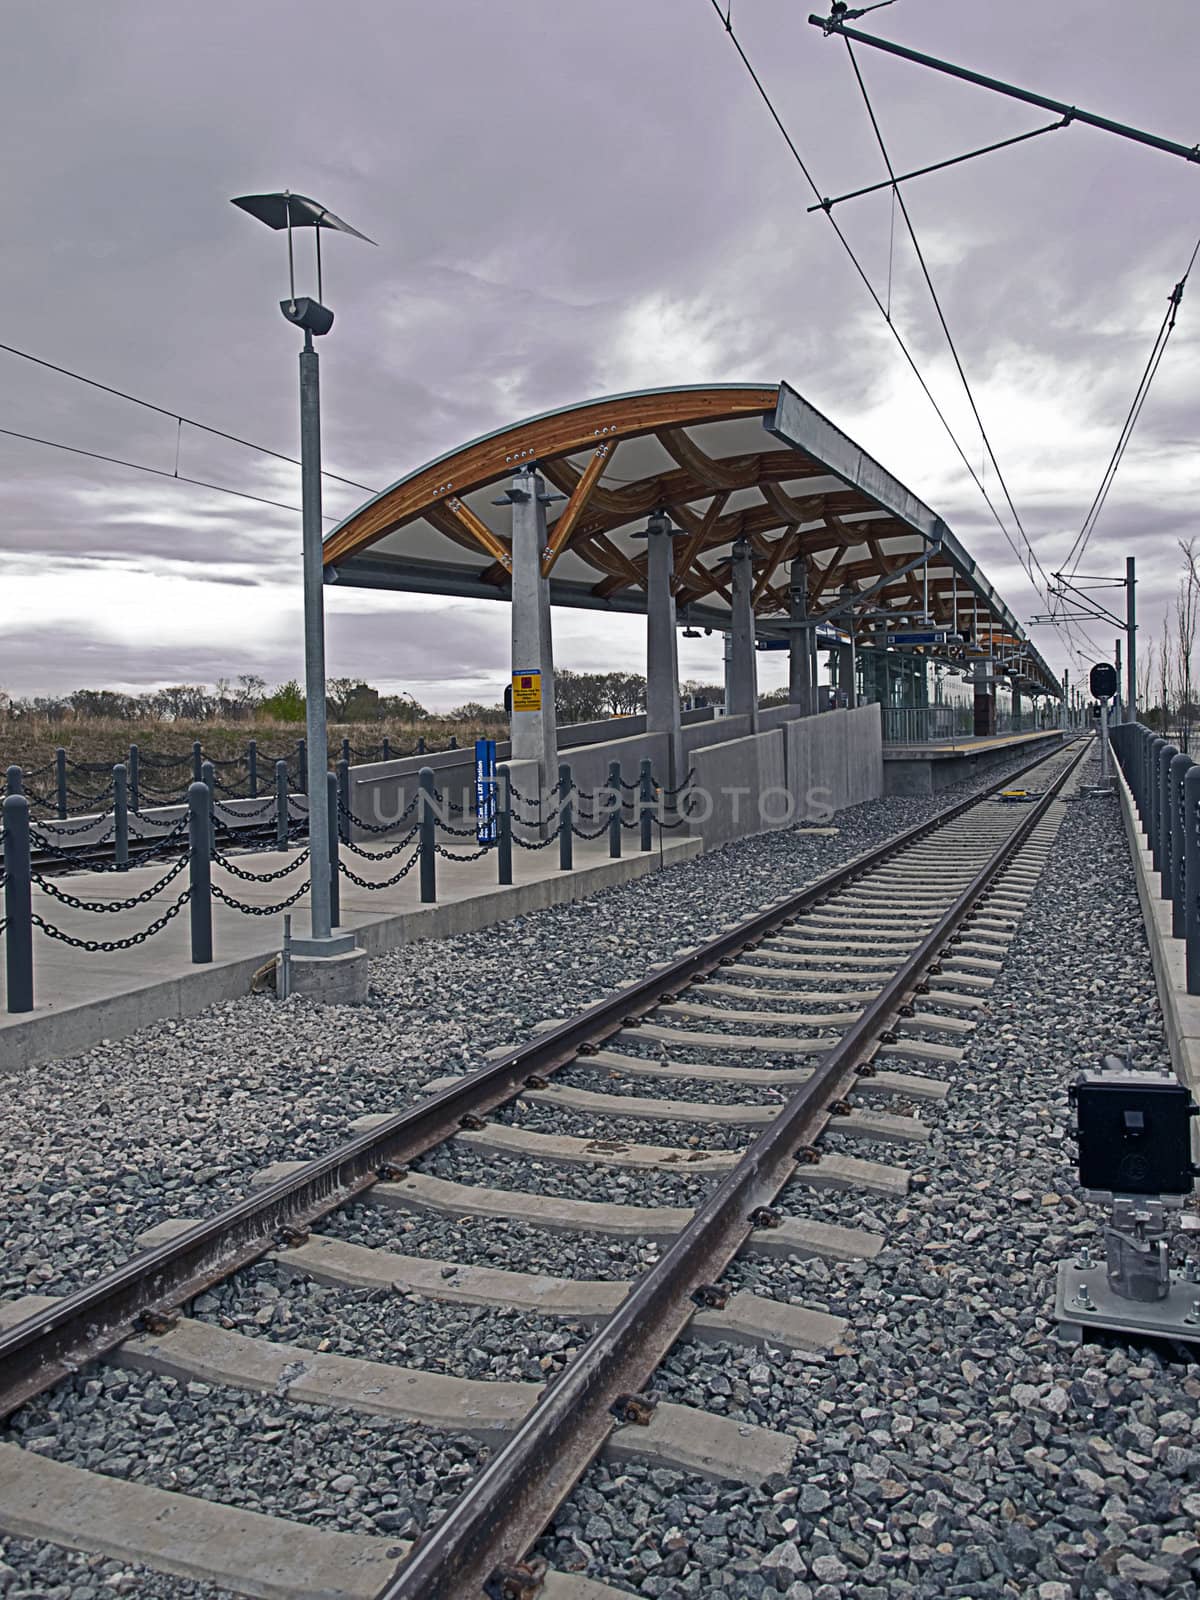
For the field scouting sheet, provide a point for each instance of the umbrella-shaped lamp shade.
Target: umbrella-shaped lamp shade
(278, 210)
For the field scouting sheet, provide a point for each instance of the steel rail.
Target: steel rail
(515, 1496)
(45, 1347)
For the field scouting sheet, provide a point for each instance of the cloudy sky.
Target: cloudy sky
(568, 200)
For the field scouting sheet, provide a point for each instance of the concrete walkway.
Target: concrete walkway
(82, 997)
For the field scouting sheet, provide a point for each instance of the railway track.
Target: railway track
(833, 1010)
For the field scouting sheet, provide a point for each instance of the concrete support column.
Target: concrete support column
(985, 701)
(662, 651)
(534, 724)
(801, 676)
(742, 679)
(845, 675)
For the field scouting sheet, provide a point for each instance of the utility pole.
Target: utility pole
(1119, 712)
(1130, 639)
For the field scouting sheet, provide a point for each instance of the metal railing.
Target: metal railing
(944, 723)
(1165, 784)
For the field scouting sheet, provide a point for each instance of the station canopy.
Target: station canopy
(725, 462)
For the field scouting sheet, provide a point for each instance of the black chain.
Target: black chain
(474, 855)
(228, 789)
(380, 855)
(260, 877)
(383, 883)
(260, 911)
(582, 833)
(147, 759)
(80, 827)
(458, 833)
(152, 821)
(108, 945)
(549, 819)
(679, 788)
(258, 811)
(380, 827)
(544, 844)
(110, 905)
(90, 799)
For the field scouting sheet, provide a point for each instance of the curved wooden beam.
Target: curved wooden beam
(585, 488)
(539, 439)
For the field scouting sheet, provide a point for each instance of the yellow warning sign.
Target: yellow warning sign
(527, 691)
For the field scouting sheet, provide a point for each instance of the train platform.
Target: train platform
(928, 767)
(84, 996)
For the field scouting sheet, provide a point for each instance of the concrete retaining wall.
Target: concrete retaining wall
(739, 788)
(834, 760)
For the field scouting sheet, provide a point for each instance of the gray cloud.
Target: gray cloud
(565, 203)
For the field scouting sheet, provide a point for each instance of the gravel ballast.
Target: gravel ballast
(176, 1119)
(950, 1447)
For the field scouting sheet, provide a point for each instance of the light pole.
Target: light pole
(289, 211)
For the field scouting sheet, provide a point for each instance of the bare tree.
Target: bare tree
(1165, 657)
(1187, 607)
(1146, 678)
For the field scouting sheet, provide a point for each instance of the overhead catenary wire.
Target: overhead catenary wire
(1028, 562)
(1165, 329)
(793, 149)
(165, 411)
(158, 472)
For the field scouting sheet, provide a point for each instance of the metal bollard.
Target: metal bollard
(1162, 819)
(135, 778)
(426, 821)
(646, 804)
(208, 780)
(504, 826)
(1149, 817)
(302, 766)
(15, 780)
(199, 801)
(18, 904)
(335, 911)
(1176, 777)
(281, 805)
(60, 781)
(387, 748)
(453, 742)
(616, 803)
(121, 817)
(340, 800)
(346, 751)
(421, 745)
(1191, 875)
(252, 769)
(197, 761)
(565, 817)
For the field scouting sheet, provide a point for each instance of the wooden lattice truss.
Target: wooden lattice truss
(759, 496)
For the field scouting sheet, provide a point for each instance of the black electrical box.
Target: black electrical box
(1102, 680)
(1134, 1131)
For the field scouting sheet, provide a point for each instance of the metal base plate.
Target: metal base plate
(1172, 1318)
(338, 944)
